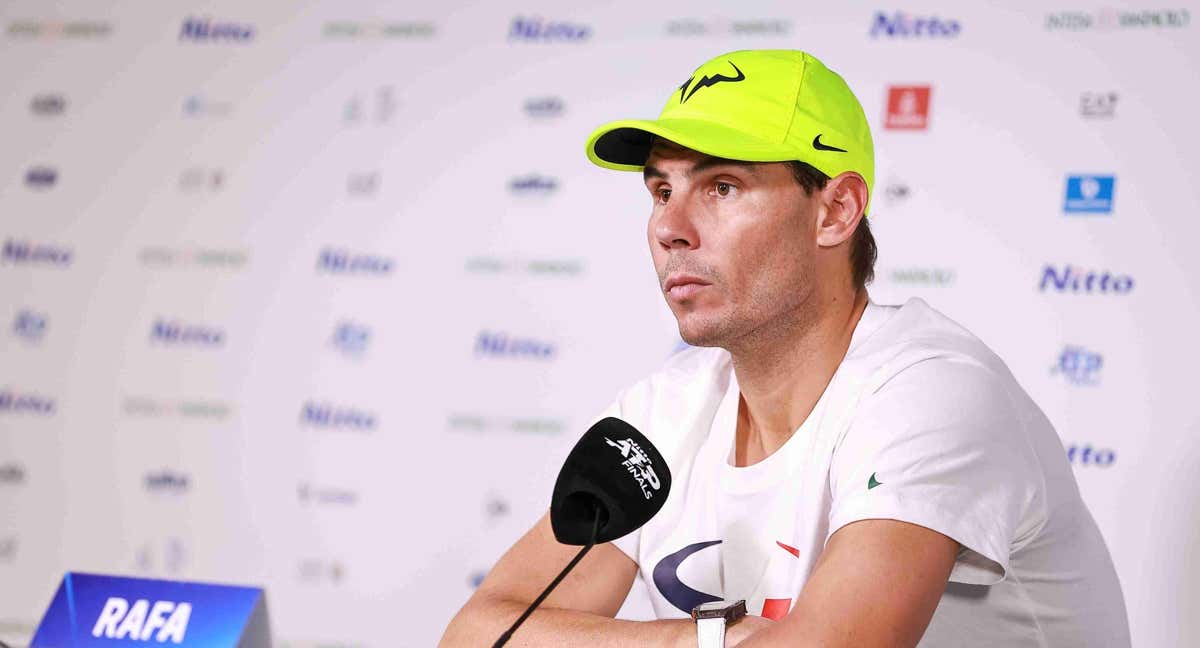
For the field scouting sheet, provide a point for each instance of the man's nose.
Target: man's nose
(674, 227)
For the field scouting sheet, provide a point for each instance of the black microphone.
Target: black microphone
(611, 484)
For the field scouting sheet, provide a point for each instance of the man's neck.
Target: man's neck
(783, 372)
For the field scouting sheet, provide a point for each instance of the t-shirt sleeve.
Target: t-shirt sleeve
(941, 444)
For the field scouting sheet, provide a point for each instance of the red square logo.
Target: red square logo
(907, 108)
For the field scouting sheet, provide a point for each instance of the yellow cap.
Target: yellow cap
(753, 106)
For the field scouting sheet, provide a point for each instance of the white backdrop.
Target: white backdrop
(317, 296)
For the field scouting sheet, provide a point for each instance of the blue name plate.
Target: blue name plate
(90, 611)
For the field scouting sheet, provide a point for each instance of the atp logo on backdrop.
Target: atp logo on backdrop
(536, 30)
(1089, 194)
(351, 338)
(903, 25)
(207, 30)
(29, 326)
(907, 108)
(1079, 366)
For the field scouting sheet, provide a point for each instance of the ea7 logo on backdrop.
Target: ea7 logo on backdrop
(161, 622)
(48, 105)
(1098, 104)
(907, 108)
(688, 88)
(638, 465)
(172, 332)
(1089, 194)
(41, 177)
(25, 253)
(336, 261)
(1078, 365)
(206, 30)
(12, 473)
(902, 25)
(545, 31)
(323, 415)
(1075, 280)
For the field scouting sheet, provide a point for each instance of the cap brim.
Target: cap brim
(624, 145)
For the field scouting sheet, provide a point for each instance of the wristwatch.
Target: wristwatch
(711, 619)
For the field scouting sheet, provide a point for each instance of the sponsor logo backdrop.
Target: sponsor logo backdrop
(318, 298)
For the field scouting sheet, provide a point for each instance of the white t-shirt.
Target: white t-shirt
(920, 423)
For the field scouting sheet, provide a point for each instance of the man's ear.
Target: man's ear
(842, 202)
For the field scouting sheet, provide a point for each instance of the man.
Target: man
(861, 475)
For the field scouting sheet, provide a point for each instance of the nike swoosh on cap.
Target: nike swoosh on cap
(872, 482)
(825, 147)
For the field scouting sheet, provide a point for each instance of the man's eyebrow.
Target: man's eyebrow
(711, 162)
(707, 163)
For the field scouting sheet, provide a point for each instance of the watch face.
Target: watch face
(727, 610)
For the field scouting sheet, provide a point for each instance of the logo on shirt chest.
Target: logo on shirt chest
(685, 598)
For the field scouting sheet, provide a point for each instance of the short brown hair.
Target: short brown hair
(863, 252)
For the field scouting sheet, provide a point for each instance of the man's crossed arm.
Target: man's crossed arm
(877, 583)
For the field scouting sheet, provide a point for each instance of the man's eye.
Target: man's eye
(664, 195)
(723, 188)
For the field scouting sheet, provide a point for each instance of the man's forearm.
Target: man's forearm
(481, 621)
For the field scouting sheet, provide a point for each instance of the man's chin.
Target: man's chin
(705, 335)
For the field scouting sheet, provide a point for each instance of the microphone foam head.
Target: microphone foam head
(615, 470)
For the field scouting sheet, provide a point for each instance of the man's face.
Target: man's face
(733, 243)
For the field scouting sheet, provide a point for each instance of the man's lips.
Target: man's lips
(683, 286)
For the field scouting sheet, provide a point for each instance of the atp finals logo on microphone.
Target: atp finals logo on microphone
(638, 464)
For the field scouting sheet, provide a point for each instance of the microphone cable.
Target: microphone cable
(554, 583)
